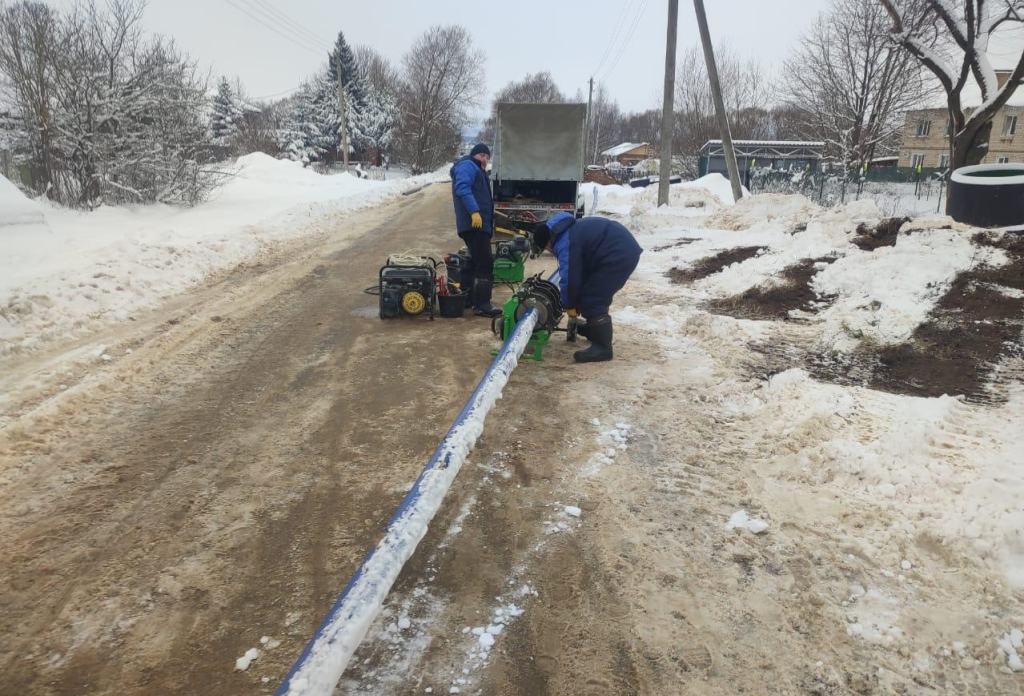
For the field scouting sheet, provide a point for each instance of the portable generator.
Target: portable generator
(408, 289)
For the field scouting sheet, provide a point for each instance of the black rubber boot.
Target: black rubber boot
(482, 298)
(582, 328)
(599, 331)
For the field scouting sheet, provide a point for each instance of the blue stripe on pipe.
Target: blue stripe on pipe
(323, 661)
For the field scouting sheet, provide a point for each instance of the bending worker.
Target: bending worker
(596, 256)
(474, 219)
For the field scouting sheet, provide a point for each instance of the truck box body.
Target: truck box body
(538, 160)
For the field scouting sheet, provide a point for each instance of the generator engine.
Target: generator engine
(516, 248)
(408, 290)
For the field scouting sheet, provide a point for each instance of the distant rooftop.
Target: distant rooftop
(621, 149)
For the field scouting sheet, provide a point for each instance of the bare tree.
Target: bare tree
(443, 81)
(29, 35)
(641, 127)
(605, 123)
(746, 91)
(378, 72)
(111, 116)
(964, 28)
(535, 88)
(850, 83)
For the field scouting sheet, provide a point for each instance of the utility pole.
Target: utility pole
(716, 91)
(668, 116)
(586, 131)
(344, 112)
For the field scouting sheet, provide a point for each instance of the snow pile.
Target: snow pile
(754, 210)
(85, 269)
(16, 209)
(709, 194)
(885, 294)
(608, 200)
(880, 295)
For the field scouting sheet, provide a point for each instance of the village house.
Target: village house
(925, 140)
(629, 154)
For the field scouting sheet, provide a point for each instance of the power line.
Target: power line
(277, 94)
(274, 29)
(312, 36)
(632, 30)
(611, 42)
(280, 25)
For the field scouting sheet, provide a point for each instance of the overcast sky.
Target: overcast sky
(567, 37)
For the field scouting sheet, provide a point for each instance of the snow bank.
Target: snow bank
(753, 210)
(921, 459)
(884, 295)
(16, 209)
(880, 295)
(66, 272)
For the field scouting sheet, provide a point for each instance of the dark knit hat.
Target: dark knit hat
(480, 149)
(541, 236)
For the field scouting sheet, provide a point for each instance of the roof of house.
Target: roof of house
(621, 149)
(772, 143)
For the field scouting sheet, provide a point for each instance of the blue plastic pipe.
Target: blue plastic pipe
(324, 659)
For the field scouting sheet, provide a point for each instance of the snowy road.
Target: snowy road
(172, 507)
(217, 476)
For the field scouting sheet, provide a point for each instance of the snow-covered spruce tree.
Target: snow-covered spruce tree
(226, 119)
(355, 91)
(964, 28)
(301, 137)
(377, 126)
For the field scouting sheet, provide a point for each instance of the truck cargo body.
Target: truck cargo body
(538, 161)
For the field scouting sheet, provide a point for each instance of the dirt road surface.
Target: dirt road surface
(166, 509)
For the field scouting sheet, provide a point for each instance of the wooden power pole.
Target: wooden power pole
(716, 92)
(668, 115)
(586, 130)
(344, 113)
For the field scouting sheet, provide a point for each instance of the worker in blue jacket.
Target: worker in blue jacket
(474, 220)
(596, 256)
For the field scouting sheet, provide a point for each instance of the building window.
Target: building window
(943, 161)
(1002, 160)
(924, 127)
(949, 127)
(1010, 126)
(917, 160)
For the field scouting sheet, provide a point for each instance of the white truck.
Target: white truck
(539, 152)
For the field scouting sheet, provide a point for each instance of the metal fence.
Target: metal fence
(916, 194)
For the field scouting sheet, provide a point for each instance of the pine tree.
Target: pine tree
(356, 93)
(226, 118)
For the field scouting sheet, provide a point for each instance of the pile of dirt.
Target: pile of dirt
(713, 264)
(977, 323)
(778, 300)
(599, 176)
(883, 234)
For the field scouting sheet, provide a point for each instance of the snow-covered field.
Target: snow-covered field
(911, 509)
(64, 273)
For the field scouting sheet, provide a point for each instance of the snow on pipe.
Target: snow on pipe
(324, 659)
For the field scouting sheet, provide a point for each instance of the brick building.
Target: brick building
(925, 141)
